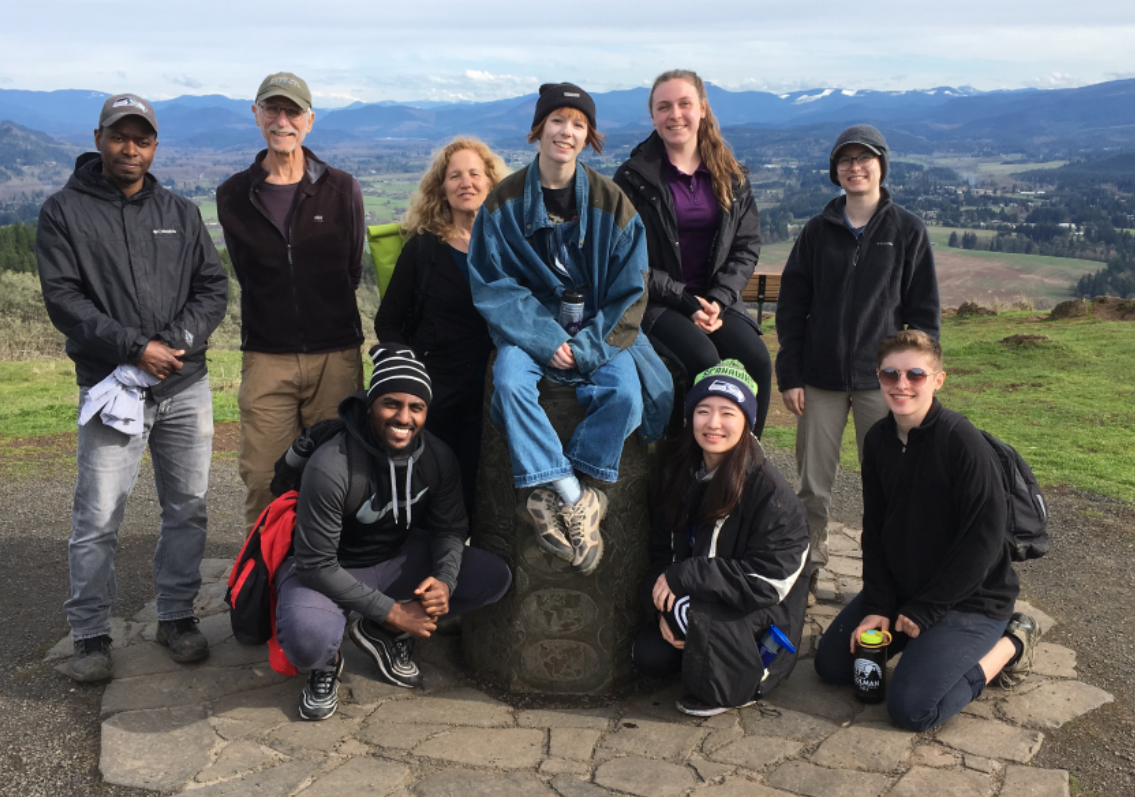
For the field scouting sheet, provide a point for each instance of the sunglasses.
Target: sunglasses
(891, 376)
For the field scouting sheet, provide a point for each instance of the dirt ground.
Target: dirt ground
(49, 740)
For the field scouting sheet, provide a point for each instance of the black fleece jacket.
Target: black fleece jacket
(419, 491)
(736, 247)
(840, 296)
(297, 285)
(934, 514)
(119, 272)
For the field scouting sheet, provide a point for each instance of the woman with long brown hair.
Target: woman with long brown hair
(728, 549)
(703, 234)
(428, 304)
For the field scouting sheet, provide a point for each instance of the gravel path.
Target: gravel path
(49, 740)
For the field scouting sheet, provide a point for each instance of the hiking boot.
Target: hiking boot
(184, 641)
(582, 522)
(320, 697)
(91, 660)
(695, 707)
(391, 652)
(812, 581)
(542, 510)
(1026, 630)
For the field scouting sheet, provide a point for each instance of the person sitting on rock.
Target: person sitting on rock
(400, 561)
(557, 264)
(936, 558)
(729, 547)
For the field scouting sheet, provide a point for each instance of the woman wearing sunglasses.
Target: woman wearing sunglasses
(728, 547)
(703, 233)
(937, 572)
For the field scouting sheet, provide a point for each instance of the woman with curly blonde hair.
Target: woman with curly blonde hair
(428, 304)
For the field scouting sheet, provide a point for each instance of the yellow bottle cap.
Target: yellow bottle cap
(871, 637)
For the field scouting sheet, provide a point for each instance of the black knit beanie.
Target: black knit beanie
(563, 95)
(398, 370)
(865, 135)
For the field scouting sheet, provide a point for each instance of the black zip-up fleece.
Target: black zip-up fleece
(931, 547)
(736, 246)
(119, 272)
(742, 574)
(420, 490)
(297, 285)
(840, 296)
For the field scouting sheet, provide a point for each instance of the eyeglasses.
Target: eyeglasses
(844, 163)
(915, 376)
(273, 112)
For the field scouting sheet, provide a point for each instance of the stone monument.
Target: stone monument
(554, 631)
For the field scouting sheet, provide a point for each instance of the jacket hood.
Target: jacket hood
(89, 178)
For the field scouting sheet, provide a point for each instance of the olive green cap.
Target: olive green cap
(285, 84)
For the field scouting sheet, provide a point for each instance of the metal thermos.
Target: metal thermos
(571, 311)
(771, 643)
(870, 668)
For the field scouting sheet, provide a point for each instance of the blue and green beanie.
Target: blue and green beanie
(727, 379)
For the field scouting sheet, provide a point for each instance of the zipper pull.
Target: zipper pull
(854, 260)
(290, 254)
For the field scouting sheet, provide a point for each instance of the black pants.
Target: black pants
(455, 417)
(736, 338)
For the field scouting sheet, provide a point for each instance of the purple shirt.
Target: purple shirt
(698, 214)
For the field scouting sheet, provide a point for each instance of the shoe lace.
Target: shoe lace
(184, 624)
(403, 649)
(573, 517)
(321, 682)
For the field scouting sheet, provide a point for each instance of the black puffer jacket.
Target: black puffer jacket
(119, 272)
(840, 296)
(742, 574)
(736, 247)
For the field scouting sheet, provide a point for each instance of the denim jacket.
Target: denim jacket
(517, 289)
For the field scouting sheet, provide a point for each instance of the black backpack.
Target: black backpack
(250, 590)
(1027, 515)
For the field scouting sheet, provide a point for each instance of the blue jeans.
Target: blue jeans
(938, 674)
(179, 431)
(612, 398)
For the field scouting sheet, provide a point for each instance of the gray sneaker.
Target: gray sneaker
(91, 661)
(1028, 632)
(543, 510)
(582, 522)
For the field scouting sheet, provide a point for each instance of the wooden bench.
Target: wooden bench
(761, 288)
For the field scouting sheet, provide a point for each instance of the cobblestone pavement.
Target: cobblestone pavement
(228, 726)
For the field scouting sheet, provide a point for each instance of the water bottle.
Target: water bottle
(870, 667)
(771, 643)
(571, 311)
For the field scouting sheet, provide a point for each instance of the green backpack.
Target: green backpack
(385, 245)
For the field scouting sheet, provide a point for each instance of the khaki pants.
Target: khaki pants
(281, 395)
(819, 435)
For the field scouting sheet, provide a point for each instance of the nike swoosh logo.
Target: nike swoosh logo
(367, 513)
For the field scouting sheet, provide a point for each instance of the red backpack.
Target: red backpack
(252, 588)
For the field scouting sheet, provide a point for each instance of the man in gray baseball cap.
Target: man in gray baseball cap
(131, 277)
(300, 327)
(859, 271)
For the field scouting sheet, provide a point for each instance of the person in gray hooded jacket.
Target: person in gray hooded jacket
(131, 277)
(399, 561)
(859, 271)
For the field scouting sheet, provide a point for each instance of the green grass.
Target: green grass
(208, 210)
(1068, 405)
(1014, 168)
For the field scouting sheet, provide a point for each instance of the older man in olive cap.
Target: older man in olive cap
(294, 228)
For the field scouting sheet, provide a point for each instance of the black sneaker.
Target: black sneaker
(391, 652)
(320, 697)
(91, 661)
(1026, 630)
(184, 641)
(695, 707)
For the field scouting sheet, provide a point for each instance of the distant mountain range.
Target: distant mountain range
(1088, 117)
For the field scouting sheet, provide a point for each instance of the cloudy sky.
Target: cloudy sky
(350, 50)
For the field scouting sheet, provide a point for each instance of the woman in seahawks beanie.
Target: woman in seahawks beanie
(729, 548)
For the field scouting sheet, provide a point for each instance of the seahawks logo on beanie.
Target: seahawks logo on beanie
(727, 379)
